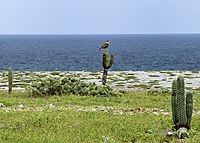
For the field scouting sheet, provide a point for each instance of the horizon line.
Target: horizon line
(99, 33)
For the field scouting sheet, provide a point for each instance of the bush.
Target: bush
(52, 86)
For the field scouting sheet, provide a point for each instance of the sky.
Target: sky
(99, 16)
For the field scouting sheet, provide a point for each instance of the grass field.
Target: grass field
(134, 117)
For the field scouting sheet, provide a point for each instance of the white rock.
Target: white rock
(156, 113)
(2, 105)
(51, 106)
(21, 106)
(8, 109)
(170, 133)
(107, 139)
(183, 133)
(165, 113)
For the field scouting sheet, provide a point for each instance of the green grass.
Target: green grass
(130, 77)
(61, 125)
(143, 86)
(189, 77)
(115, 79)
(95, 73)
(73, 126)
(154, 76)
(129, 100)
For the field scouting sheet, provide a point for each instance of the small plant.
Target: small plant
(195, 71)
(182, 106)
(55, 73)
(10, 80)
(106, 65)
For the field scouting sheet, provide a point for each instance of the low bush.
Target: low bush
(53, 86)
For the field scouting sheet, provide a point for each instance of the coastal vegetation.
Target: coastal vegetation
(56, 105)
(133, 117)
(54, 86)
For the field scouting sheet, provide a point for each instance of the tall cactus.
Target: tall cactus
(10, 80)
(173, 102)
(181, 101)
(182, 106)
(106, 65)
(189, 108)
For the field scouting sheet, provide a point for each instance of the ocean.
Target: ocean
(139, 52)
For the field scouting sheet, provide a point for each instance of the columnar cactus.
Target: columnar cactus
(189, 108)
(182, 106)
(106, 65)
(10, 80)
(173, 102)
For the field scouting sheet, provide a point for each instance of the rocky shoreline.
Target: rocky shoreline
(126, 80)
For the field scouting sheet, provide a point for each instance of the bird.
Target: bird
(105, 45)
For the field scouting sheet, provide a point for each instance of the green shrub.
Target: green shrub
(55, 73)
(53, 86)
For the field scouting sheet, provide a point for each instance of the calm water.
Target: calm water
(80, 52)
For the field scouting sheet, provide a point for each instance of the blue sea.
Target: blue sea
(80, 52)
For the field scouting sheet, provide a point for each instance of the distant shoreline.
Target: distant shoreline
(125, 80)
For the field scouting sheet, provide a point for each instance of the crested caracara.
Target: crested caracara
(105, 45)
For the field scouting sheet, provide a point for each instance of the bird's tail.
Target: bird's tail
(99, 49)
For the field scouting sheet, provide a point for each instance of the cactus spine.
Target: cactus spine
(10, 80)
(182, 106)
(106, 65)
